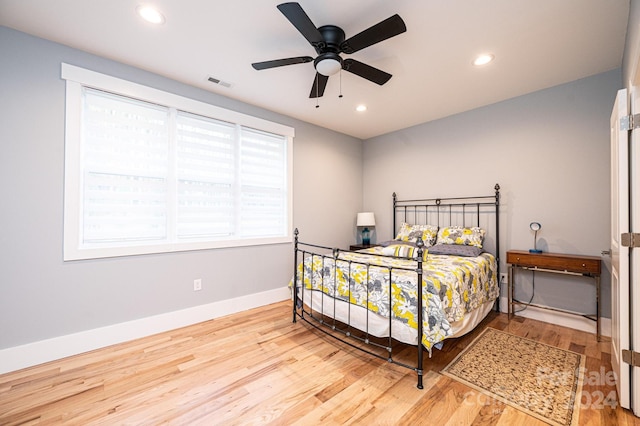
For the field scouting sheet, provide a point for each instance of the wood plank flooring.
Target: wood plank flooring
(257, 367)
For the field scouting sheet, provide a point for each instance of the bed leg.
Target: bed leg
(294, 311)
(295, 273)
(419, 366)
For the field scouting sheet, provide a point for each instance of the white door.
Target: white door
(634, 259)
(619, 254)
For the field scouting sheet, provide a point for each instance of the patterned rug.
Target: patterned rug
(533, 377)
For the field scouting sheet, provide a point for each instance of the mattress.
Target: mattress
(378, 294)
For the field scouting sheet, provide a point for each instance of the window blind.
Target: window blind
(125, 169)
(263, 183)
(206, 173)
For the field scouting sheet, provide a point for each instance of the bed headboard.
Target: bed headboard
(481, 211)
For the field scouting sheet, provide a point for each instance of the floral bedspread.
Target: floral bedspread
(452, 286)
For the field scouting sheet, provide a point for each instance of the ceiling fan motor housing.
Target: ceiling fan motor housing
(333, 37)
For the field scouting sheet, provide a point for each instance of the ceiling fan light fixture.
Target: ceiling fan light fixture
(328, 63)
(150, 14)
(328, 67)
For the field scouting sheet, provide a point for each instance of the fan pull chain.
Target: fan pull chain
(340, 96)
(317, 102)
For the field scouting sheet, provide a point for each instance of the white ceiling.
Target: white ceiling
(537, 44)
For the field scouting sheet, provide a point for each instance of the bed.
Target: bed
(370, 299)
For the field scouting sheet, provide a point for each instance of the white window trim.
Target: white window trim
(76, 78)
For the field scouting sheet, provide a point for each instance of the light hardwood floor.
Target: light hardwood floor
(257, 367)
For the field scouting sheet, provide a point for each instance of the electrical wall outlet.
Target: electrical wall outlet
(197, 284)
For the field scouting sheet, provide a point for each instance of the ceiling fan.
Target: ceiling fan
(329, 41)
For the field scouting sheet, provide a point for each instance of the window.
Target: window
(147, 171)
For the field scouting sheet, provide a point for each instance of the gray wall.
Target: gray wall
(43, 297)
(548, 150)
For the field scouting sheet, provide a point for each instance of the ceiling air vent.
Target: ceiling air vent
(218, 81)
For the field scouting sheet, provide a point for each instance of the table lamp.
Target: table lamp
(366, 219)
(535, 227)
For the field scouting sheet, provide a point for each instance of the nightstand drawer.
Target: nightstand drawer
(556, 261)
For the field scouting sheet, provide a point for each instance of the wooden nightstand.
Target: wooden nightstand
(570, 264)
(354, 247)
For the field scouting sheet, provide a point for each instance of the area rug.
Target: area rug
(540, 380)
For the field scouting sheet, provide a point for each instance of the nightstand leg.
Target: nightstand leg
(510, 292)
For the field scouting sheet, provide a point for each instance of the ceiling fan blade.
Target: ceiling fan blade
(319, 84)
(366, 71)
(281, 62)
(297, 16)
(388, 28)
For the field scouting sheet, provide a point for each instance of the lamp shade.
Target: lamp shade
(366, 219)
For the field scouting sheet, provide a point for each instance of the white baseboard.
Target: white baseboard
(35, 353)
(560, 318)
(18, 357)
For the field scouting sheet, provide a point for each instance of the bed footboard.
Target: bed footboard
(350, 323)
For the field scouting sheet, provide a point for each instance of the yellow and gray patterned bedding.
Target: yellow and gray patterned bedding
(452, 286)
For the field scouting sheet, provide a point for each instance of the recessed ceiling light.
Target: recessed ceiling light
(483, 59)
(361, 108)
(150, 14)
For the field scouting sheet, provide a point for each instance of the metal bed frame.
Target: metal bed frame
(449, 211)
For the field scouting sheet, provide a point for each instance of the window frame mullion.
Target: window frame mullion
(237, 183)
(172, 178)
